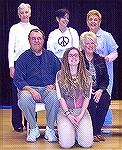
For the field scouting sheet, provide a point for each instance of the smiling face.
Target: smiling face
(73, 57)
(89, 45)
(93, 22)
(36, 40)
(24, 14)
(63, 21)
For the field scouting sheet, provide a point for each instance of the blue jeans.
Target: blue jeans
(27, 105)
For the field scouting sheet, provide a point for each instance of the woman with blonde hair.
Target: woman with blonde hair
(74, 90)
(107, 48)
(100, 99)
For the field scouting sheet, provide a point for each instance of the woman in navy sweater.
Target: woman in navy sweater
(100, 99)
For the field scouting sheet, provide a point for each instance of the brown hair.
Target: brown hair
(36, 30)
(60, 13)
(83, 76)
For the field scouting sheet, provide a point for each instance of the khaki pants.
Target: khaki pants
(68, 134)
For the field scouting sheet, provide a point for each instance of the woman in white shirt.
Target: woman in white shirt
(18, 43)
(64, 37)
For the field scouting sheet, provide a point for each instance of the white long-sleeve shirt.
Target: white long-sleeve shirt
(58, 42)
(18, 41)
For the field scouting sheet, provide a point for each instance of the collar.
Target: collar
(24, 24)
(98, 34)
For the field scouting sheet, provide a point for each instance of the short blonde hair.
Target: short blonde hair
(23, 5)
(90, 35)
(94, 12)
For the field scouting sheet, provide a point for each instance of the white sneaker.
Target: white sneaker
(50, 135)
(34, 134)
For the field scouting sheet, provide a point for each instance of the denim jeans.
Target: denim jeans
(27, 105)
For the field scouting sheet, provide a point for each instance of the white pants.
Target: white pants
(68, 134)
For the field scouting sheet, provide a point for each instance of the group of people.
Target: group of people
(73, 77)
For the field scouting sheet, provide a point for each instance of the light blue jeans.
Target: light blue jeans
(27, 105)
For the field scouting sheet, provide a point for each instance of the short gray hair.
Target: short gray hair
(22, 5)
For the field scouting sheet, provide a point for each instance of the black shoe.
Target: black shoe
(20, 129)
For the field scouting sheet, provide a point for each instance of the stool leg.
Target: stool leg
(28, 128)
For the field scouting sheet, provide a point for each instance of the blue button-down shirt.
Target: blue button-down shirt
(108, 47)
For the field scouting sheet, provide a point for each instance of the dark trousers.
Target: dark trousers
(16, 112)
(98, 111)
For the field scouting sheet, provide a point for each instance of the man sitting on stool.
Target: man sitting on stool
(34, 77)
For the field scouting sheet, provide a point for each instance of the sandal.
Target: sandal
(101, 138)
(96, 139)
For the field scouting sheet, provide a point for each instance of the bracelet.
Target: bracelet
(66, 112)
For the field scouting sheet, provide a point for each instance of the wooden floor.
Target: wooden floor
(11, 140)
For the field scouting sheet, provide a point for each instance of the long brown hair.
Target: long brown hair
(83, 77)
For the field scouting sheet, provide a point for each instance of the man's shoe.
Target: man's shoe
(50, 135)
(20, 129)
(34, 134)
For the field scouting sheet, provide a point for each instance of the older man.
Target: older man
(35, 76)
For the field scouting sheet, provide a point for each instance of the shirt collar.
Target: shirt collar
(98, 34)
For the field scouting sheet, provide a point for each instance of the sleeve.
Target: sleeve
(57, 64)
(112, 56)
(58, 89)
(104, 75)
(50, 42)
(112, 48)
(89, 90)
(11, 46)
(75, 38)
(20, 73)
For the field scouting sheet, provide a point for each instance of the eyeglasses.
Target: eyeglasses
(76, 55)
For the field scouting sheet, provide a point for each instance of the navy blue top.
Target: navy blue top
(102, 78)
(35, 70)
